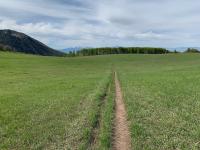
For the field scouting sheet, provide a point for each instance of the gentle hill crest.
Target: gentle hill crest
(19, 42)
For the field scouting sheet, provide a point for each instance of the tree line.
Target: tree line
(117, 50)
(192, 50)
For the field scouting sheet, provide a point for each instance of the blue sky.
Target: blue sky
(95, 23)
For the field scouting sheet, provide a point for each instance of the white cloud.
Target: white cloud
(105, 23)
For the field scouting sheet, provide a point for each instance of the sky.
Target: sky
(99, 23)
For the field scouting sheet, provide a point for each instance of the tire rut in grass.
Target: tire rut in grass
(121, 139)
(95, 130)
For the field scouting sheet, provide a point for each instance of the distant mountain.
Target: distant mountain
(66, 50)
(19, 42)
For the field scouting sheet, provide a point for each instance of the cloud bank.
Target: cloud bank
(69, 23)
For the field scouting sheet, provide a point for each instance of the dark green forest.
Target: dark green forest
(117, 50)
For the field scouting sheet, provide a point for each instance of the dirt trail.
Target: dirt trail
(122, 139)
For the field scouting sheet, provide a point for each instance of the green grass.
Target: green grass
(55, 103)
(163, 100)
(106, 118)
(48, 102)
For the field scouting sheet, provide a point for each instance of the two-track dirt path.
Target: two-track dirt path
(122, 139)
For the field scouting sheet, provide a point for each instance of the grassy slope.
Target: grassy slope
(163, 100)
(48, 102)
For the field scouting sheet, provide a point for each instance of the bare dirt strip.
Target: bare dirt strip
(121, 139)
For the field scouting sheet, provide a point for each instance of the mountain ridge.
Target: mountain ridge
(11, 40)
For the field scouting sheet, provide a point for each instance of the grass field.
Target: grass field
(47, 102)
(57, 103)
(163, 100)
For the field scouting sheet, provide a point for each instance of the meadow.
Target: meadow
(68, 103)
(49, 102)
(162, 98)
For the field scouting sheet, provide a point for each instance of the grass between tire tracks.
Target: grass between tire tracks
(101, 133)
